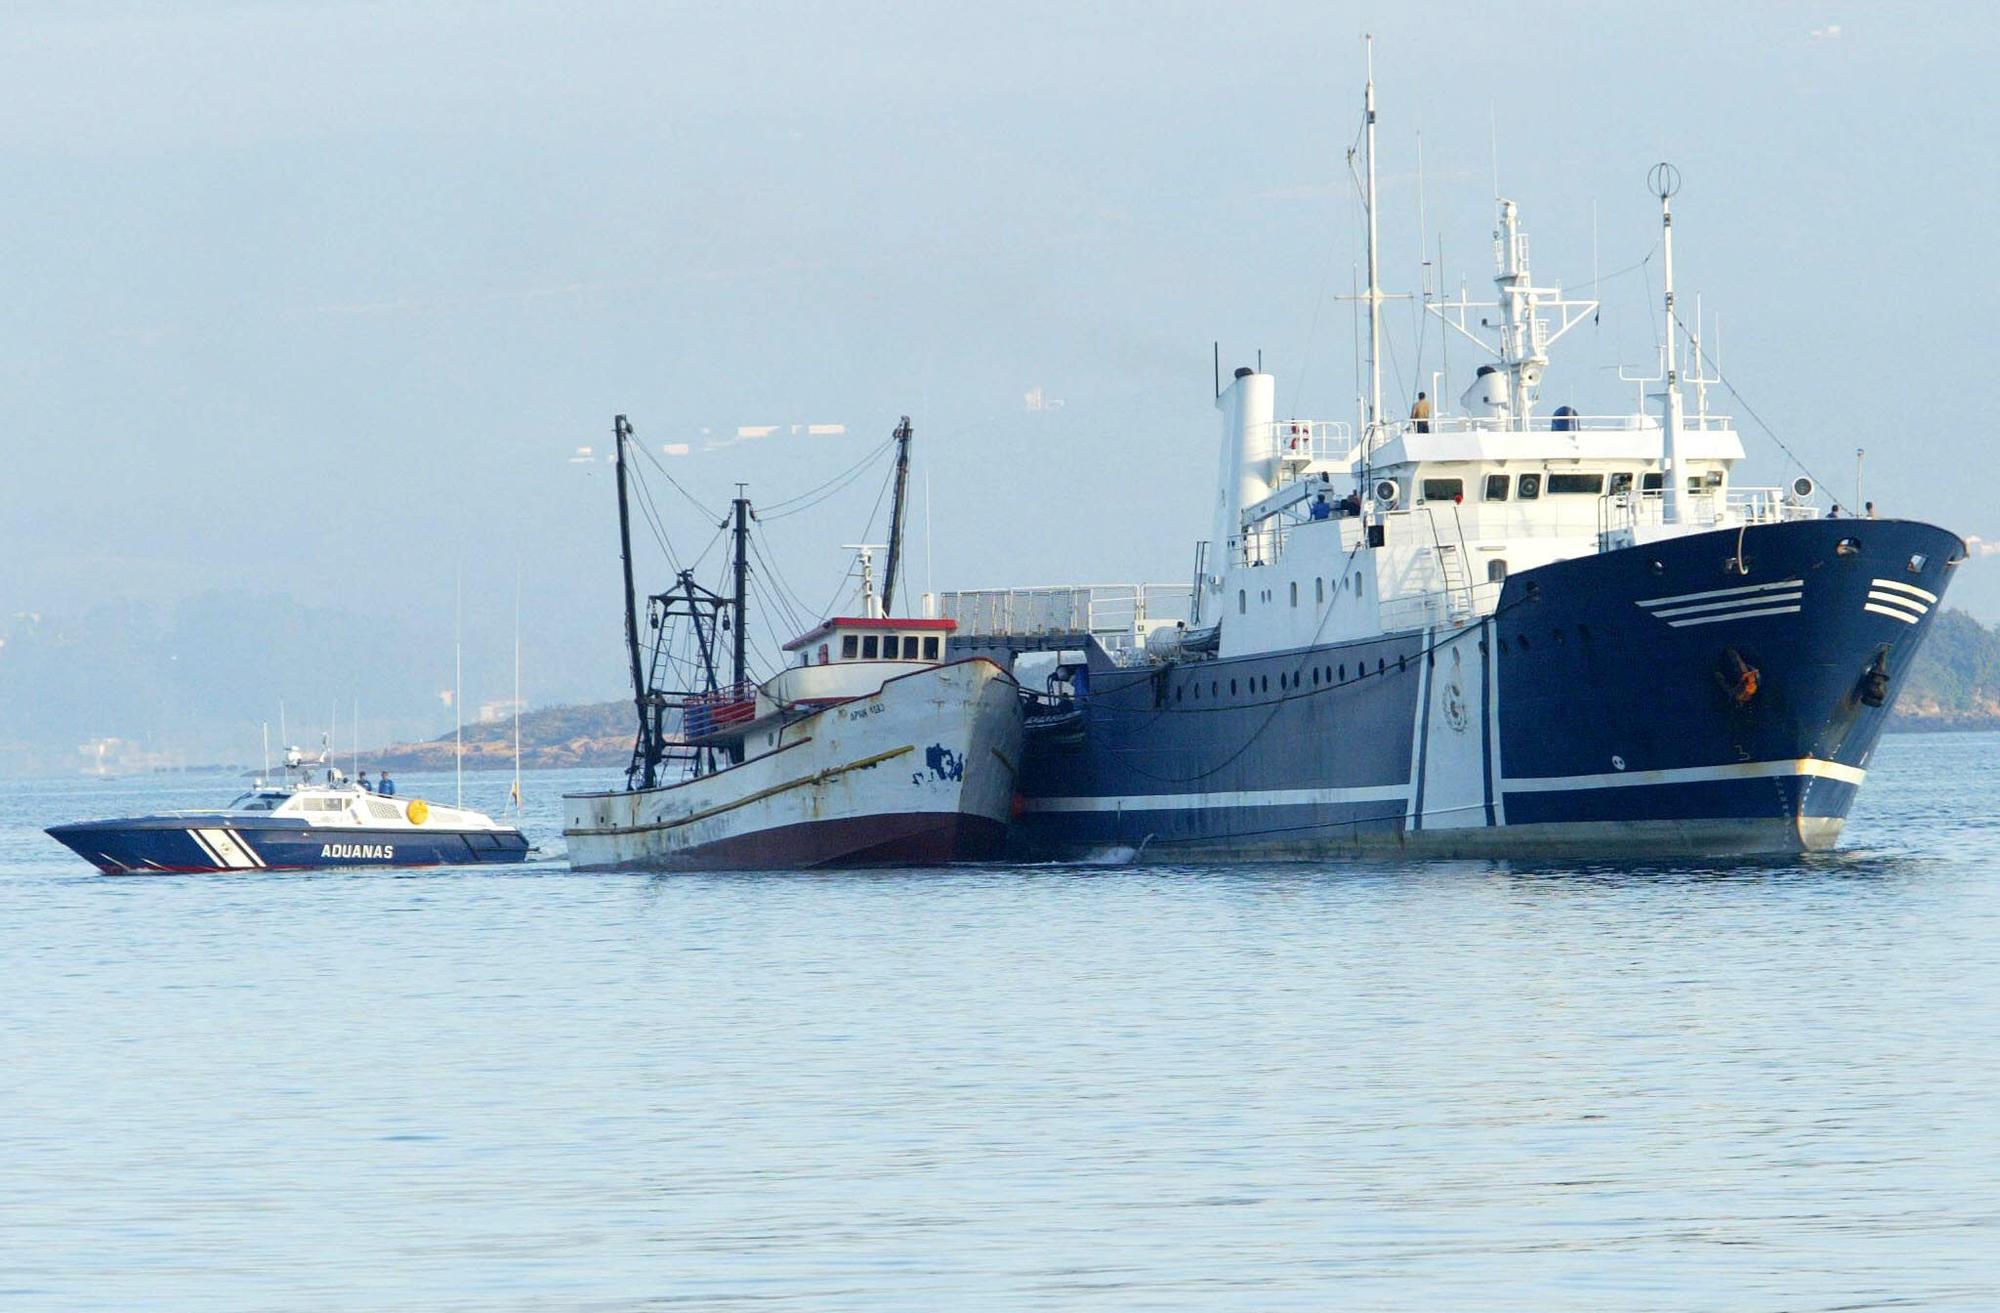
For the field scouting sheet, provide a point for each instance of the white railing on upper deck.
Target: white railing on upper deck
(1301, 441)
(1115, 613)
(1633, 422)
(1720, 509)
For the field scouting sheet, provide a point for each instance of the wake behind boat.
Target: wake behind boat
(296, 825)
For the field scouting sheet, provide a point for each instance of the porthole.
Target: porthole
(1232, 688)
(1343, 673)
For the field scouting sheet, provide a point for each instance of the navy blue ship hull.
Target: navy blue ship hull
(1718, 694)
(203, 843)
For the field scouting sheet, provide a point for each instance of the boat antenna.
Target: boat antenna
(1665, 180)
(517, 688)
(1374, 293)
(903, 435)
(621, 433)
(740, 604)
(267, 751)
(458, 682)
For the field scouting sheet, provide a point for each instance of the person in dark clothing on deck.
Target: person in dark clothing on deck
(387, 788)
(1322, 509)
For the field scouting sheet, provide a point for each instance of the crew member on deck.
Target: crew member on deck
(1421, 413)
(362, 780)
(387, 788)
(1322, 509)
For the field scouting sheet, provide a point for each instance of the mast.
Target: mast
(1666, 180)
(1374, 292)
(903, 434)
(621, 433)
(738, 663)
(458, 687)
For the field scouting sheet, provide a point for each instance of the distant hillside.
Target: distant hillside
(599, 734)
(1955, 683)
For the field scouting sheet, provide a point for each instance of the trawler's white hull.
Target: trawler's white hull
(920, 771)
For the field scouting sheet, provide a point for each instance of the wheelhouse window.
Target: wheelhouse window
(1496, 571)
(1591, 484)
(1530, 487)
(1652, 482)
(850, 647)
(931, 648)
(1621, 482)
(1444, 489)
(1496, 487)
(871, 648)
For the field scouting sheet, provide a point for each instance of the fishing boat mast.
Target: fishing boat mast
(739, 604)
(903, 434)
(621, 431)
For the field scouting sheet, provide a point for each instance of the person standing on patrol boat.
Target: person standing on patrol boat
(387, 788)
(1421, 413)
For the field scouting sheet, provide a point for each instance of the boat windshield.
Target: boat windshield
(257, 802)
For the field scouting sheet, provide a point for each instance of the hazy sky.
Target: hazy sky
(320, 298)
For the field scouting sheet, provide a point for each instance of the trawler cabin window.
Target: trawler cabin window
(1496, 487)
(1592, 484)
(1621, 482)
(1651, 482)
(1531, 486)
(1444, 489)
(849, 647)
(931, 648)
(870, 648)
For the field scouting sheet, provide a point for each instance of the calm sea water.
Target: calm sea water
(1448, 1086)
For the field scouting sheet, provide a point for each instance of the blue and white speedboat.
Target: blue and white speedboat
(301, 824)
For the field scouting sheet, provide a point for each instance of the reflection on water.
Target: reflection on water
(1464, 1085)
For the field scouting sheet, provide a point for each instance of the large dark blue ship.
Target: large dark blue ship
(1494, 630)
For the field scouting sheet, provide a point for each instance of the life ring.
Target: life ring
(417, 811)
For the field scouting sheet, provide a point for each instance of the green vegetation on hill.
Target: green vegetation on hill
(1955, 681)
(598, 734)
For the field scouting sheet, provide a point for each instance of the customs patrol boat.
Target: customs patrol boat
(297, 824)
(1499, 630)
(875, 745)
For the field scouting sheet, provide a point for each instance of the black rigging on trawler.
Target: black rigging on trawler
(680, 688)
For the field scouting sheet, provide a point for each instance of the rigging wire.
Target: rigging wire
(814, 496)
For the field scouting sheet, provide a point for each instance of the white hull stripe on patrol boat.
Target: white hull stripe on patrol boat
(1742, 770)
(1137, 802)
(1650, 602)
(227, 849)
(1911, 589)
(1903, 616)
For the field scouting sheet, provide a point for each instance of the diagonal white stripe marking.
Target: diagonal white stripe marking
(1720, 592)
(1733, 615)
(1911, 589)
(208, 848)
(1766, 600)
(1910, 604)
(1883, 610)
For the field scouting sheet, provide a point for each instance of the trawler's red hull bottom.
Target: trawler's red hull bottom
(913, 839)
